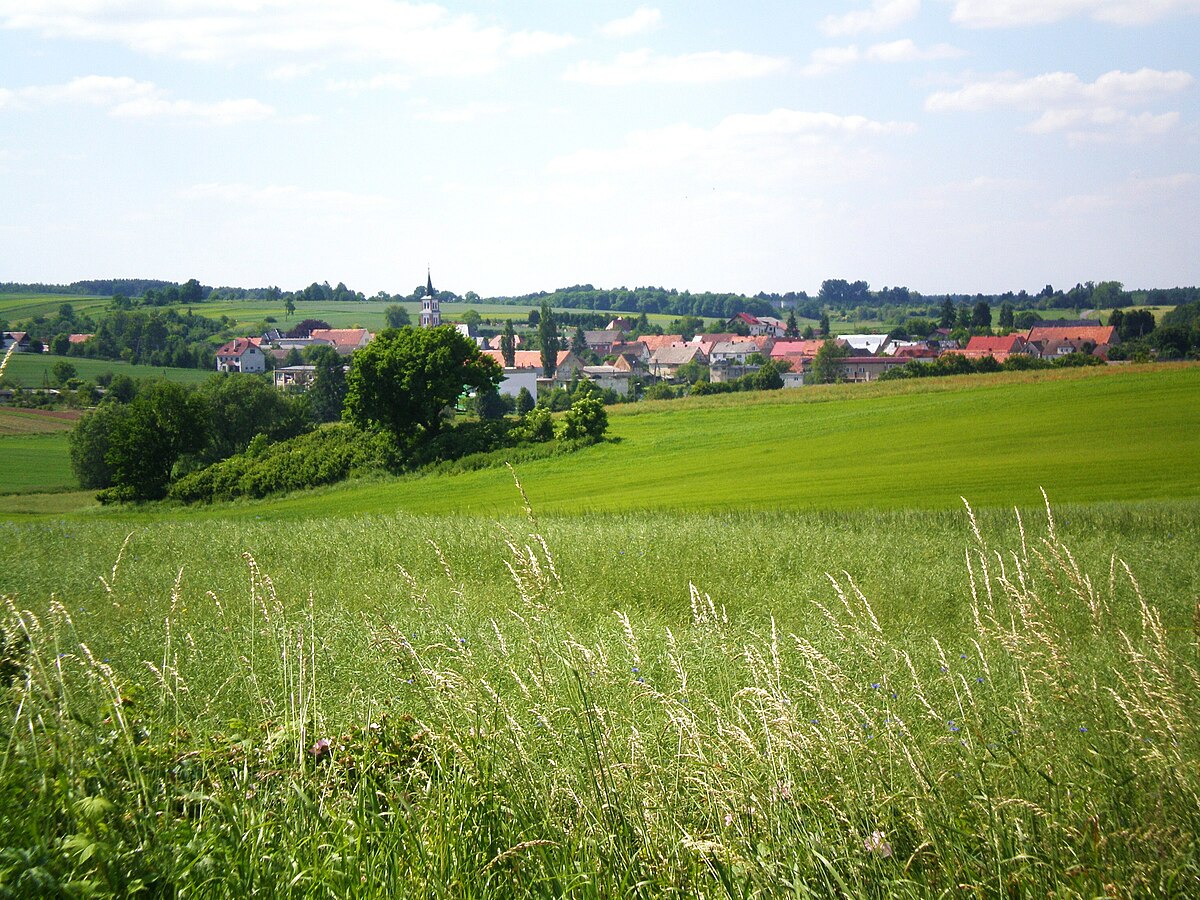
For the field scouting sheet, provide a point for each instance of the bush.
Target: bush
(585, 422)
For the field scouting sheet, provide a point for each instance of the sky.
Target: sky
(764, 145)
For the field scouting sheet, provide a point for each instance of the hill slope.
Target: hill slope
(1086, 435)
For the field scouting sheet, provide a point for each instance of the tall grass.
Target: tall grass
(1043, 744)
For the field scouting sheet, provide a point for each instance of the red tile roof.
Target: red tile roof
(236, 347)
(1094, 334)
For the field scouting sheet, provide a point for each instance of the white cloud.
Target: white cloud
(640, 21)
(1135, 193)
(742, 151)
(471, 112)
(642, 67)
(831, 59)
(424, 37)
(882, 16)
(391, 81)
(278, 198)
(1089, 111)
(1011, 13)
(128, 98)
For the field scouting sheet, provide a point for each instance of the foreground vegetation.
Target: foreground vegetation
(551, 708)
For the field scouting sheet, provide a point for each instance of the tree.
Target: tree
(525, 401)
(121, 388)
(948, 314)
(793, 328)
(1006, 315)
(824, 324)
(826, 368)
(579, 340)
(60, 344)
(406, 377)
(62, 372)
(396, 316)
(289, 306)
(471, 319)
(238, 407)
(981, 315)
(89, 444)
(489, 404)
(307, 327)
(163, 422)
(508, 345)
(548, 340)
(327, 395)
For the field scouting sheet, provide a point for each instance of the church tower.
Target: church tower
(431, 311)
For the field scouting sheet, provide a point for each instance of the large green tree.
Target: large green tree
(404, 379)
(237, 407)
(826, 365)
(327, 395)
(163, 422)
(89, 442)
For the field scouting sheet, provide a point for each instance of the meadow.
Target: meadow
(802, 668)
(32, 370)
(642, 703)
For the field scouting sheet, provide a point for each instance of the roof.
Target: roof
(868, 342)
(746, 317)
(1095, 334)
(654, 341)
(987, 345)
(677, 354)
(602, 337)
(342, 338)
(796, 348)
(236, 347)
(525, 359)
(79, 338)
(915, 353)
(735, 347)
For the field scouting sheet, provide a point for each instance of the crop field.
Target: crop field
(1084, 435)
(32, 462)
(15, 307)
(33, 369)
(14, 420)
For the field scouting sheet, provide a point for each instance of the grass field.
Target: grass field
(757, 647)
(447, 706)
(32, 369)
(14, 420)
(1087, 435)
(34, 462)
(1126, 433)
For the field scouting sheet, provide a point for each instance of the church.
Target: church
(431, 311)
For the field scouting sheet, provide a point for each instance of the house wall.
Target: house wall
(515, 379)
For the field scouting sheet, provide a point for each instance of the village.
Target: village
(619, 359)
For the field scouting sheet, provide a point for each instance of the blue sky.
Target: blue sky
(946, 145)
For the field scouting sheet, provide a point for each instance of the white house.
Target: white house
(240, 355)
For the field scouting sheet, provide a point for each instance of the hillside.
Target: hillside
(1084, 435)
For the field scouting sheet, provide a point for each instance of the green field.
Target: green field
(31, 370)
(1087, 435)
(646, 684)
(1112, 434)
(448, 706)
(31, 463)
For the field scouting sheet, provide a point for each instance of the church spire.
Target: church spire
(431, 311)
